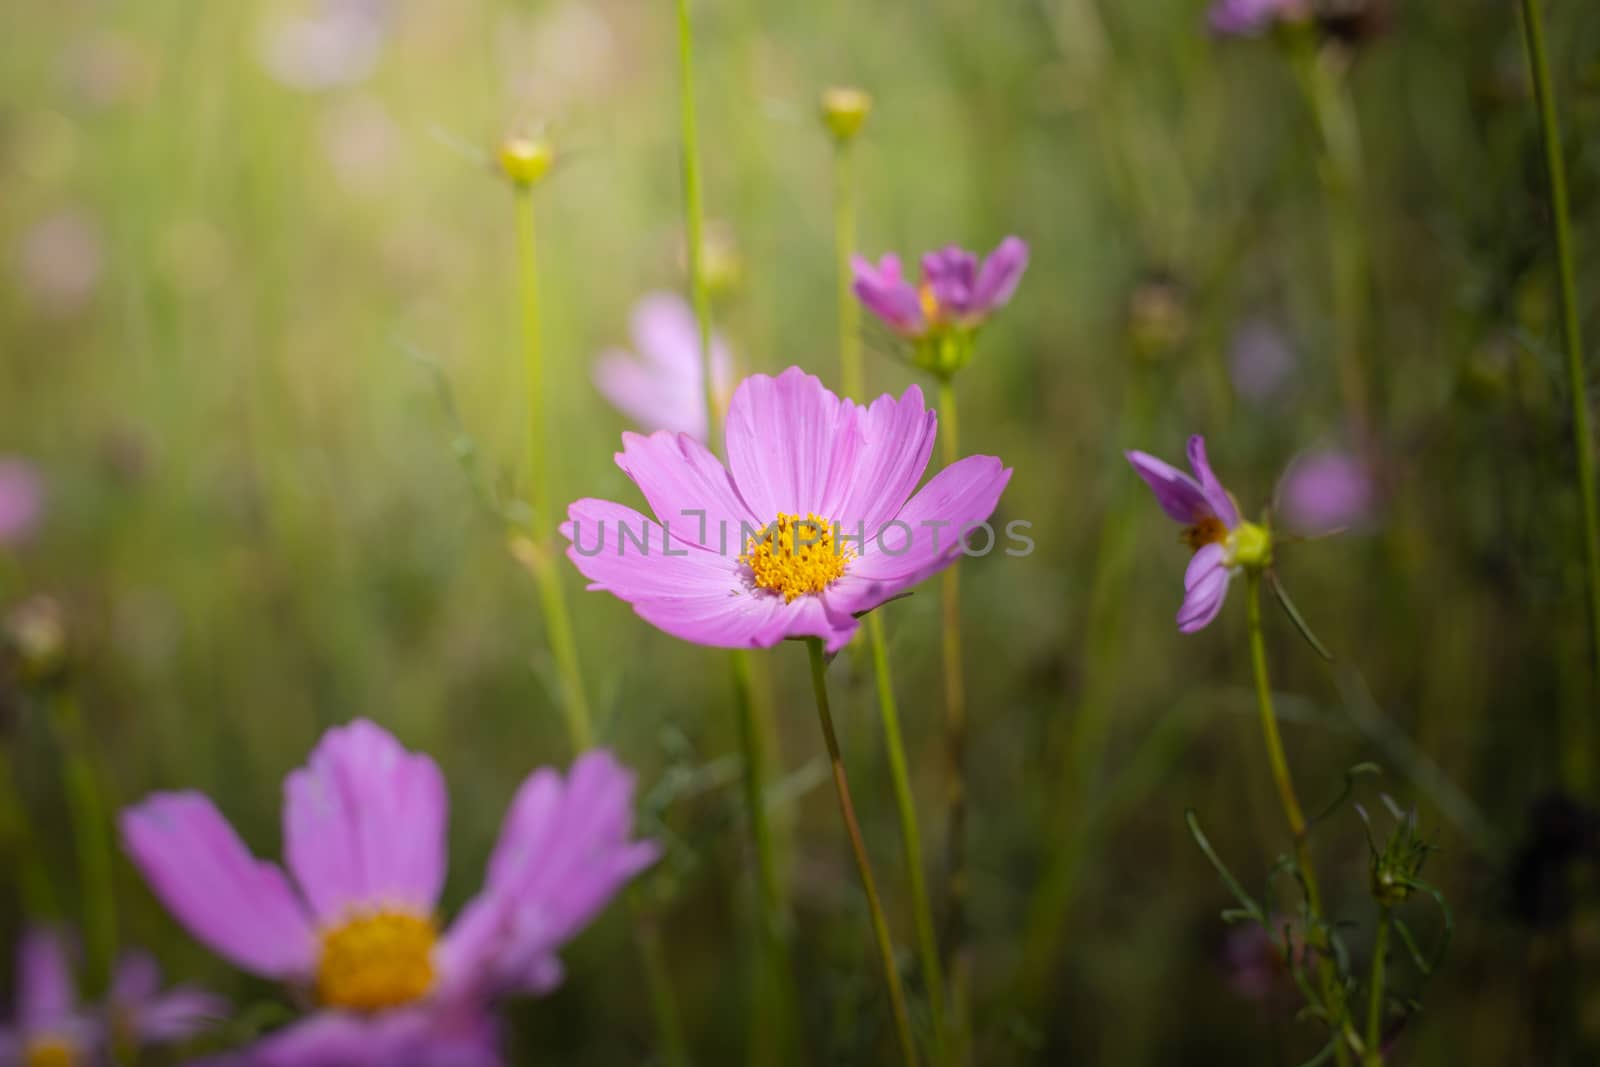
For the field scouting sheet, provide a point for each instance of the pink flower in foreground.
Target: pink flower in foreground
(813, 521)
(660, 385)
(357, 932)
(52, 1028)
(1223, 542)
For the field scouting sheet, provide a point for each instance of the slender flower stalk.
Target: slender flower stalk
(534, 157)
(843, 112)
(955, 728)
(1332, 993)
(776, 995)
(1577, 377)
(526, 161)
(847, 810)
(1380, 952)
(91, 838)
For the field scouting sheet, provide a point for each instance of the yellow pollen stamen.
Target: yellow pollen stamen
(376, 960)
(796, 556)
(1206, 531)
(930, 303)
(49, 1052)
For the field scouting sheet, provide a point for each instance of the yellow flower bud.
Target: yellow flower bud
(525, 160)
(1249, 546)
(845, 111)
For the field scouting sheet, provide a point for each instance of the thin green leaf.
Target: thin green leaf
(1228, 879)
(1350, 775)
(1295, 617)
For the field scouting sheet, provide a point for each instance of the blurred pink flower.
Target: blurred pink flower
(660, 385)
(1324, 491)
(337, 45)
(21, 501)
(1250, 17)
(957, 290)
(61, 259)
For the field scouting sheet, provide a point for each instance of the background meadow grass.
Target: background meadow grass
(228, 305)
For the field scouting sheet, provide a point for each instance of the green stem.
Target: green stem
(1577, 379)
(694, 214)
(1332, 993)
(16, 838)
(658, 983)
(772, 1024)
(91, 839)
(911, 837)
(552, 600)
(1380, 950)
(847, 810)
(844, 242)
(955, 727)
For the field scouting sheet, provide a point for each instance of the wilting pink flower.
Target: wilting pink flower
(1250, 17)
(660, 385)
(52, 1028)
(812, 522)
(21, 501)
(1223, 543)
(1325, 491)
(357, 931)
(956, 292)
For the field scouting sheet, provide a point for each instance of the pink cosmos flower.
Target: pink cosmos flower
(1211, 527)
(21, 501)
(957, 292)
(813, 521)
(51, 1027)
(357, 932)
(662, 386)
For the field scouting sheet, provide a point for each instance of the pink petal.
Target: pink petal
(1216, 496)
(239, 907)
(962, 495)
(1179, 495)
(688, 489)
(177, 1015)
(46, 991)
(792, 445)
(364, 824)
(1000, 275)
(649, 396)
(897, 439)
(1206, 587)
(623, 553)
(408, 1037)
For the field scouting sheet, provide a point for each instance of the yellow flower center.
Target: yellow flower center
(376, 960)
(49, 1052)
(796, 556)
(930, 303)
(1206, 531)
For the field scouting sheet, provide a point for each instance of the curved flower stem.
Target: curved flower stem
(1380, 950)
(847, 810)
(911, 837)
(955, 729)
(1577, 378)
(1332, 993)
(91, 839)
(844, 241)
(558, 624)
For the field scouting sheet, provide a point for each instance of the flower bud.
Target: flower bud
(36, 631)
(525, 160)
(845, 111)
